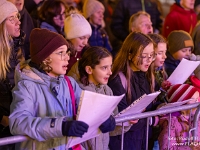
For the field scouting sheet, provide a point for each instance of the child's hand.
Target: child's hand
(134, 121)
(165, 85)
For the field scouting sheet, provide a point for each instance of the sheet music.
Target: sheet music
(175, 104)
(138, 106)
(183, 71)
(94, 109)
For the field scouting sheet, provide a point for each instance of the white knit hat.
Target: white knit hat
(90, 7)
(76, 26)
(6, 8)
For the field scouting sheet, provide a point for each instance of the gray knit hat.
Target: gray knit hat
(179, 39)
(6, 9)
(90, 7)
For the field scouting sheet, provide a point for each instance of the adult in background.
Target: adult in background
(10, 55)
(26, 26)
(93, 11)
(141, 22)
(124, 10)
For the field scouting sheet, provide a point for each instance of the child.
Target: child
(77, 31)
(180, 120)
(42, 105)
(133, 60)
(180, 45)
(52, 15)
(158, 64)
(93, 11)
(160, 78)
(95, 70)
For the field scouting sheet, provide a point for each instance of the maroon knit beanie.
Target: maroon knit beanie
(43, 42)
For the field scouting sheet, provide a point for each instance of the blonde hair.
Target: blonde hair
(5, 50)
(134, 17)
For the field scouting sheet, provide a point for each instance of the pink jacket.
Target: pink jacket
(178, 134)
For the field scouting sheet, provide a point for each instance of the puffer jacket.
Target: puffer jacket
(179, 19)
(40, 103)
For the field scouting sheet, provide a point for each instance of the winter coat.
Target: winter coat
(179, 19)
(100, 142)
(170, 64)
(99, 37)
(40, 103)
(135, 138)
(178, 133)
(7, 85)
(125, 9)
(26, 26)
(46, 25)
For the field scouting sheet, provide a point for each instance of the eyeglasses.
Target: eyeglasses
(146, 57)
(14, 19)
(60, 16)
(63, 54)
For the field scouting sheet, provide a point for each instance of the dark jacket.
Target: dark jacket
(196, 38)
(27, 26)
(135, 138)
(125, 9)
(99, 37)
(7, 85)
(170, 64)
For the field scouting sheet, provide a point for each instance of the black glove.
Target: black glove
(74, 128)
(108, 125)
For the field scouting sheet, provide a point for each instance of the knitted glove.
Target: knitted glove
(108, 125)
(74, 128)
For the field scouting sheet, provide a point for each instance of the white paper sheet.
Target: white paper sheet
(94, 110)
(138, 106)
(183, 71)
(175, 104)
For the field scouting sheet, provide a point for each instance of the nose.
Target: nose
(67, 57)
(164, 56)
(188, 52)
(85, 41)
(110, 71)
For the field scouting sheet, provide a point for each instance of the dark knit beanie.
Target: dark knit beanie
(179, 39)
(43, 42)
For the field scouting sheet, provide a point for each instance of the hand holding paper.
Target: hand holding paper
(74, 128)
(94, 109)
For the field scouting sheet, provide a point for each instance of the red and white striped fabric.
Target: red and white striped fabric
(180, 92)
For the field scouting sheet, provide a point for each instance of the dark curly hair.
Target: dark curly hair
(91, 57)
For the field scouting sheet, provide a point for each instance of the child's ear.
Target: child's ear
(88, 69)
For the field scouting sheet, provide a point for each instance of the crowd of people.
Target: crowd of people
(52, 50)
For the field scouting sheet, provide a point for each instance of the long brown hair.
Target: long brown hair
(134, 43)
(157, 38)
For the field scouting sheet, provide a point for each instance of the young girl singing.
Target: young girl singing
(95, 69)
(133, 60)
